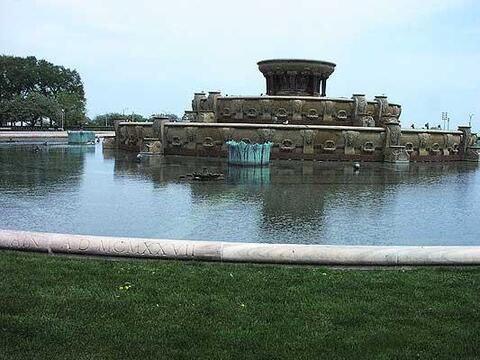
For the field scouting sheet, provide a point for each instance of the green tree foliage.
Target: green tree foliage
(30, 108)
(32, 89)
(108, 118)
(170, 116)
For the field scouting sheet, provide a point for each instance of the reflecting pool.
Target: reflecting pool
(87, 190)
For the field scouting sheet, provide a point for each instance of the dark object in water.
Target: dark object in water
(207, 176)
(202, 176)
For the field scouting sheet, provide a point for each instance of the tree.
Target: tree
(170, 116)
(32, 89)
(108, 118)
(74, 107)
(30, 109)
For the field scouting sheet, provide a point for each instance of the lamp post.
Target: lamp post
(63, 118)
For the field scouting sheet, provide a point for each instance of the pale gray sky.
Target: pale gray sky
(150, 56)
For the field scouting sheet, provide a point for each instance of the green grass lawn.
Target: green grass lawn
(72, 308)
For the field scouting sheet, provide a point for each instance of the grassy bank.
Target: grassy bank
(59, 307)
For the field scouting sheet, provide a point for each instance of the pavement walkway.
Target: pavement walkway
(14, 136)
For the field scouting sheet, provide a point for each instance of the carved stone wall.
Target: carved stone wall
(288, 142)
(298, 142)
(431, 145)
(309, 111)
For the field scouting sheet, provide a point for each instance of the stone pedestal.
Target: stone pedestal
(109, 143)
(468, 147)
(360, 109)
(382, 110)
(396, 154)
(393, 151)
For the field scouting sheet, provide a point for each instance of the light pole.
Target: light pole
(63, 118)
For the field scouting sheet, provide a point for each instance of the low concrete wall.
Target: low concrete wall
(42, 136)
(239, 252)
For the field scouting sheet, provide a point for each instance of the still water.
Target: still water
(84, 190)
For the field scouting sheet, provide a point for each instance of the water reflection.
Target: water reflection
(248, 175)
(89, 191)
(42, 168)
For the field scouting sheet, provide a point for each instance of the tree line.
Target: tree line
(108, 118)
(34, 90)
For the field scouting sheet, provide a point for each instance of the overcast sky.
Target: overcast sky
(150, 56)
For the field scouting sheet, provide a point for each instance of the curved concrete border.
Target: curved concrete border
(239, 252)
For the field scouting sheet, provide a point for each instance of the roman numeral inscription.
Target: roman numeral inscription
(110, 246)
(126, 247)
(25, 243)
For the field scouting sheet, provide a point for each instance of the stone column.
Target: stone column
(316, 81)
(292, 81)
(116, 126)
(212, 100)
(360, 110)
(393, 151)
(156, 144)
(269, 78)
(382, 104)
(324, 87)
(468, 148)
(197, 99)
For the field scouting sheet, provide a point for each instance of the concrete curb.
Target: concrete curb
(239, 252)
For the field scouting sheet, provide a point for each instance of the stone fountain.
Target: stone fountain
(300, 121)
